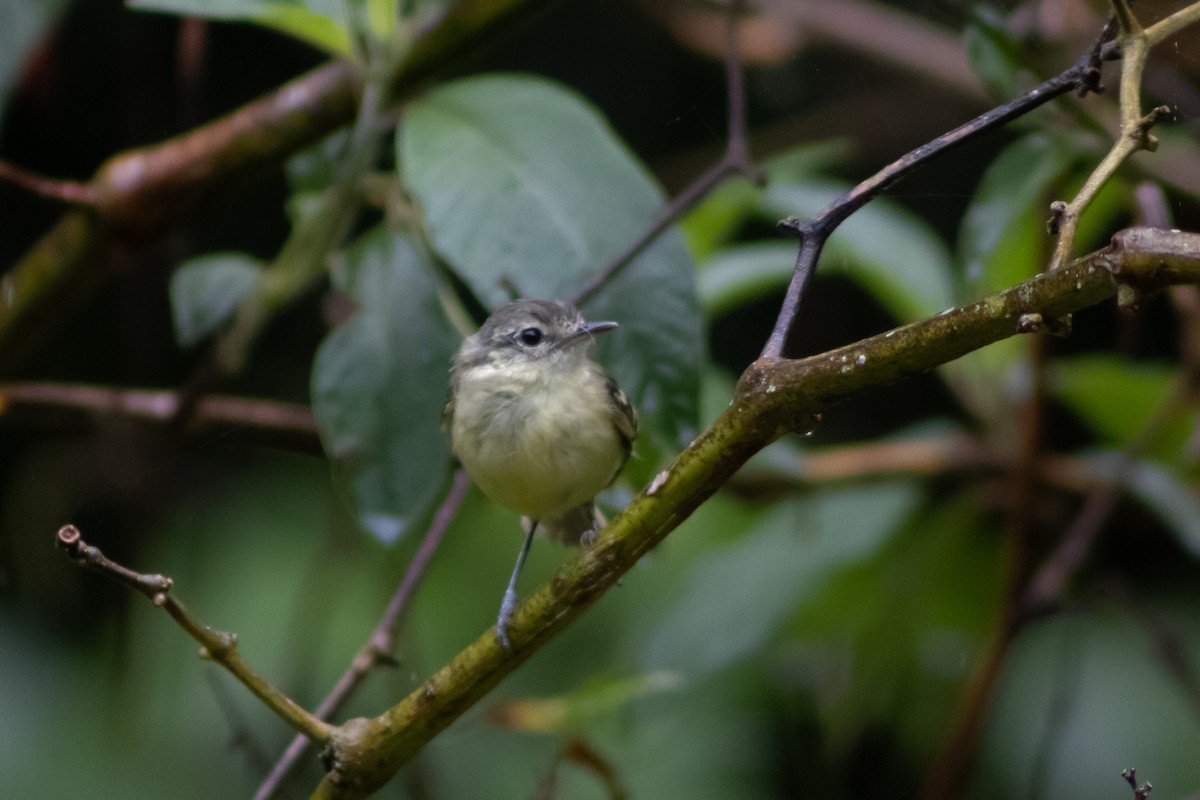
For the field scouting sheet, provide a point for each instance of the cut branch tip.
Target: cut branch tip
(792, 226)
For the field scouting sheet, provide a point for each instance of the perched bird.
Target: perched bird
(538, 425)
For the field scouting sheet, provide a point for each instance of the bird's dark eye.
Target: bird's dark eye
(530, 336)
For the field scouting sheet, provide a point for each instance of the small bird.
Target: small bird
(538, 425)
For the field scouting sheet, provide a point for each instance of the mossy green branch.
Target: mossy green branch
(773, 397)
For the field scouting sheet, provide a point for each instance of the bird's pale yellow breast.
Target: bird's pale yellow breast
(539, 441)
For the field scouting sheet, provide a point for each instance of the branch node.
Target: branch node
(71, 542)
(1139, 792)
(1141, 132)
(1090, 83)
(1029, 323)
(1129, 298)
(753, 172)
(792, 226)
(1090, 80)
(1034, 322)
(1058, 210)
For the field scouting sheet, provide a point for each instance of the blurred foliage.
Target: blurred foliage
(804, 634)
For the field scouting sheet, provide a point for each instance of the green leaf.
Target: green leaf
(1003, 241)
(886, 249)
(1003, 238)
(887, 642)
(523, 183)
(1119, 398)
(1170, 498)
(567, 713)
(205, 291)
(1085, 694)
(317, 22)
(994, 55)
(379, 384)
(717, 218)
(382, 18)
(737, 275)
(739, 594)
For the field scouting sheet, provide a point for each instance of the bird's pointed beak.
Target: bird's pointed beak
(596, 327)
(588, 330)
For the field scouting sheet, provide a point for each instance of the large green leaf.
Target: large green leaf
(379, 383)
(742, 273)
(887, 642)
(739, 594)
(1119, 398)
(318, 22)
(522, 183)
(1003, 238)
(1172, 500)
(1003, 241)
(1086, 694)
(206, 290)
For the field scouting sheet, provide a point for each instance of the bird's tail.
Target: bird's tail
(575, 527)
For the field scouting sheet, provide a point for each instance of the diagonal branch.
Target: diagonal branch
(814, 232)
(379, 648)
(773, 397)
(216, 645)
(223, 412)
(68, 192)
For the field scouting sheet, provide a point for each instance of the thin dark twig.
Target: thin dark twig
(71, 193)
(379, 647)
(1050, 580)
(814, 231)
(288, 426)
(154, 587)
(158, 406)
(737, 150)
(735, 160)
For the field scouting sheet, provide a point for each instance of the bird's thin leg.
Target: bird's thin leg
(509, 603)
